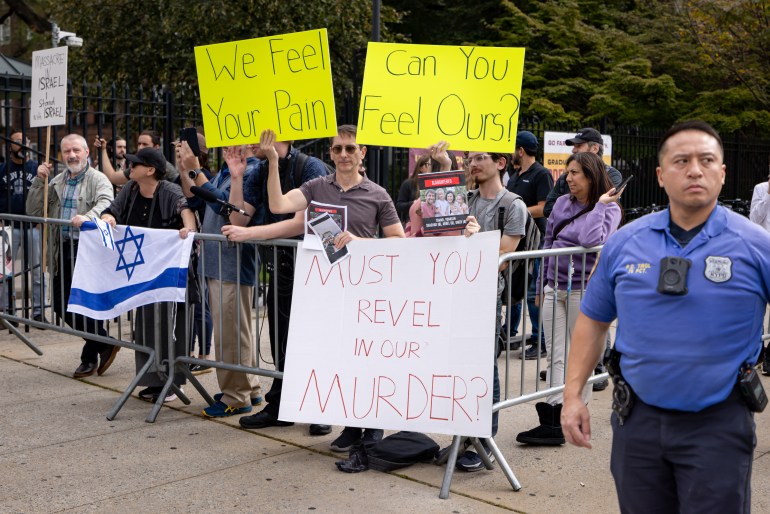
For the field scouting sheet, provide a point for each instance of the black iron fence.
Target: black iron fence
(96, 109)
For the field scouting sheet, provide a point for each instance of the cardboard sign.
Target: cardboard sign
(416, 95)
(398, 336)
(280, 82)
(556, 151)
(48, 101)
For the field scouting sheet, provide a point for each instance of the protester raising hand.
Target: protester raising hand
(438, 152)
(236, 161)
(266, 144)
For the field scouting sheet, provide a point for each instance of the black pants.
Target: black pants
(278, 312)
(667, 461)
(154, 326)
(62, 283)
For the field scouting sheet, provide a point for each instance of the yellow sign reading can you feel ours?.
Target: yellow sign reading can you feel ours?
(416, 95)
(279, 82)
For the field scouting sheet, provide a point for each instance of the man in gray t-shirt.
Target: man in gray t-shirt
(487, 170)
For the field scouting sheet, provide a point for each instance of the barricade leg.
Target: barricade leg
(21, 336)
(506, 469)
(451, 460)
(130, 389)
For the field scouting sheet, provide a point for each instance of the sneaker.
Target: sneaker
(372, 436)
(263, 419)
(316, 429)
(222, 410)
(198, 369)
(766, 366)
(171, 396)
(470, 461)
(350, 436)
(148, 393)
(533, 353)
(254, 401)
(601, 385)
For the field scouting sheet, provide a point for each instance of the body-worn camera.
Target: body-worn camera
(673, 275)
(752, 390)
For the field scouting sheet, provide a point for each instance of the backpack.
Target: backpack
(396, 451)
(299, 167)
(530, 242)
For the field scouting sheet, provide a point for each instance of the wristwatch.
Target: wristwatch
(194, 173)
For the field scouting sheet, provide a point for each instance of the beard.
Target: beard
(76, 165)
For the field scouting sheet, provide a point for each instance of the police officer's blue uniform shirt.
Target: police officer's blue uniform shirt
(684, 352)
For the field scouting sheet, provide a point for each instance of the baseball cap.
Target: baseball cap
(526, 140)
(151, 157)
(586, 135)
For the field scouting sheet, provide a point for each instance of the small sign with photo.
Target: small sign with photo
(443, 201)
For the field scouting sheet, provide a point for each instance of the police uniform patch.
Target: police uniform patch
(718, 269)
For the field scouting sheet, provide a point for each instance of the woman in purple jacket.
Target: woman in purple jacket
(586, 217)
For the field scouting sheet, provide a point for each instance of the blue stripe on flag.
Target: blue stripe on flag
(171, 277)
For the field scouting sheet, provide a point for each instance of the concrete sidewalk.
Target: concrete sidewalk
(58, 452)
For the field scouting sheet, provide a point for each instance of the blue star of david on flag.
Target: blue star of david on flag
(137, 241)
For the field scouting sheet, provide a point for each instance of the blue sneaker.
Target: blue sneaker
(470, 461)
(254, 401)
(222, 410)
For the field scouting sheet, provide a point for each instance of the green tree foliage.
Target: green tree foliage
(643, 62)
(152, 42)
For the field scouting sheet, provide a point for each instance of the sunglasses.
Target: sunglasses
(337, 149)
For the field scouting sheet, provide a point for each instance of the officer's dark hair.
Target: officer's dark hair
(596, 172)
(699, 125)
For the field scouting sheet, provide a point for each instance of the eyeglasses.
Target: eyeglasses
(476, 159)
(337, 149)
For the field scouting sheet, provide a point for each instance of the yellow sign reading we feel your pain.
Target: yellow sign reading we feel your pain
(279, 82)
(416, 95)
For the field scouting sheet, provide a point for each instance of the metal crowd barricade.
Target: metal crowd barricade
(165, 358)
(263, 249)
(519, 384)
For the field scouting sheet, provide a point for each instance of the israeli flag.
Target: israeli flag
(146, 266)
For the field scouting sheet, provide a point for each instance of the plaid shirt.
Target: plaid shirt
(69, 202)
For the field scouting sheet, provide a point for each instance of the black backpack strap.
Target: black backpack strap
(299, 168)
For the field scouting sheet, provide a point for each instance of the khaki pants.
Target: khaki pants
(234, 344)
(559, 324)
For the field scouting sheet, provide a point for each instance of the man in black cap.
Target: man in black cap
(587, 140)
(532, 182)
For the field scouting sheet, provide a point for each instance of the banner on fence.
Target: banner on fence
(48, 100)
(279, 82)
(398, 336)
(556, 151)
(416, 95)
(146, 266)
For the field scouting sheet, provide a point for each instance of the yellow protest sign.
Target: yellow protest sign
(416, 95)
(280, 82)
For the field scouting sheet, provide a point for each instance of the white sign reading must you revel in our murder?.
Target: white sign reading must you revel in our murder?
(49, 88)
(398, 336)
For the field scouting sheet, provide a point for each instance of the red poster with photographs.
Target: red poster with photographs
(443, 201)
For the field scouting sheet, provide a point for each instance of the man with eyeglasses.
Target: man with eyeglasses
(251, 194)
(77, 193)
(487, 171)
(16, 177)
(369, 208)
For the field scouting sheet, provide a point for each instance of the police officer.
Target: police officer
(683, 432)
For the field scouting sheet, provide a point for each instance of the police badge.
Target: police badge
(718, 269)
